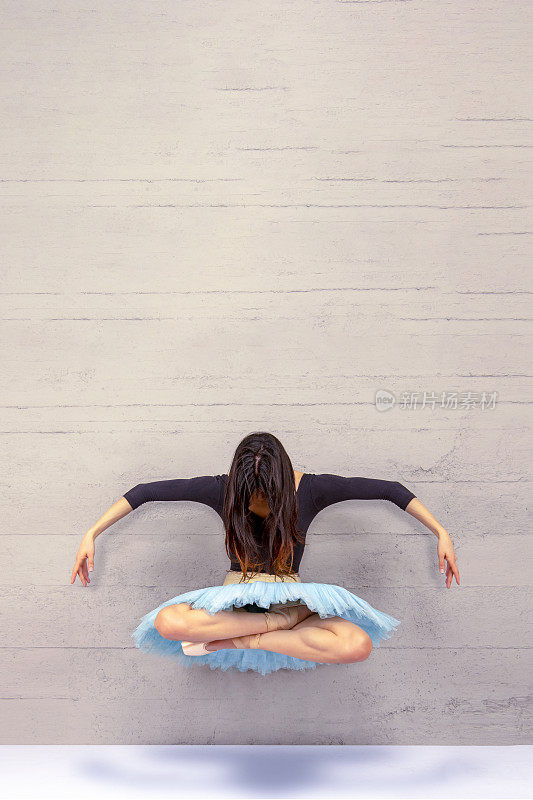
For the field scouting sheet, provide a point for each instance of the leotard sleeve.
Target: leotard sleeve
(327, 489)
(203, 489)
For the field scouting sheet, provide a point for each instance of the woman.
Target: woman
(263, 617)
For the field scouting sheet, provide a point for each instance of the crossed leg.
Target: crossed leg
(329, 641)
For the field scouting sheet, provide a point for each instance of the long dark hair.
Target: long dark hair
(261, 464)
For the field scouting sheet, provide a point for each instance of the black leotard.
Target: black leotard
(315, 492)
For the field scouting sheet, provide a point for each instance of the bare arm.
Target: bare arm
(113, 514)
(84, 562)
(445, 549)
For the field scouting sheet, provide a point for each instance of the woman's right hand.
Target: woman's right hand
(85, 554)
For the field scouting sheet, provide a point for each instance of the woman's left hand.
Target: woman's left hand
(446, 552)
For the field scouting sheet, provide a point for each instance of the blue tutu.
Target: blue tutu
(328, 600)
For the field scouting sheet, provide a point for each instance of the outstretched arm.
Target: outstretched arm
(327, 489)
(445, 551)
(203, 489)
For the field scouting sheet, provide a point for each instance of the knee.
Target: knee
(171, 621)
(355, 647)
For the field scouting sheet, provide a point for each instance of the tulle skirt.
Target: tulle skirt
(260, 593)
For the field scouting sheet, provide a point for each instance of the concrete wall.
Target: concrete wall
(231, 216)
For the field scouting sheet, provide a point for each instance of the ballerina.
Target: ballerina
(263, 617)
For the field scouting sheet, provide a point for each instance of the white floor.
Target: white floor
(231, 771)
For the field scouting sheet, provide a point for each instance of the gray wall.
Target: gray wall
(232, 216)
